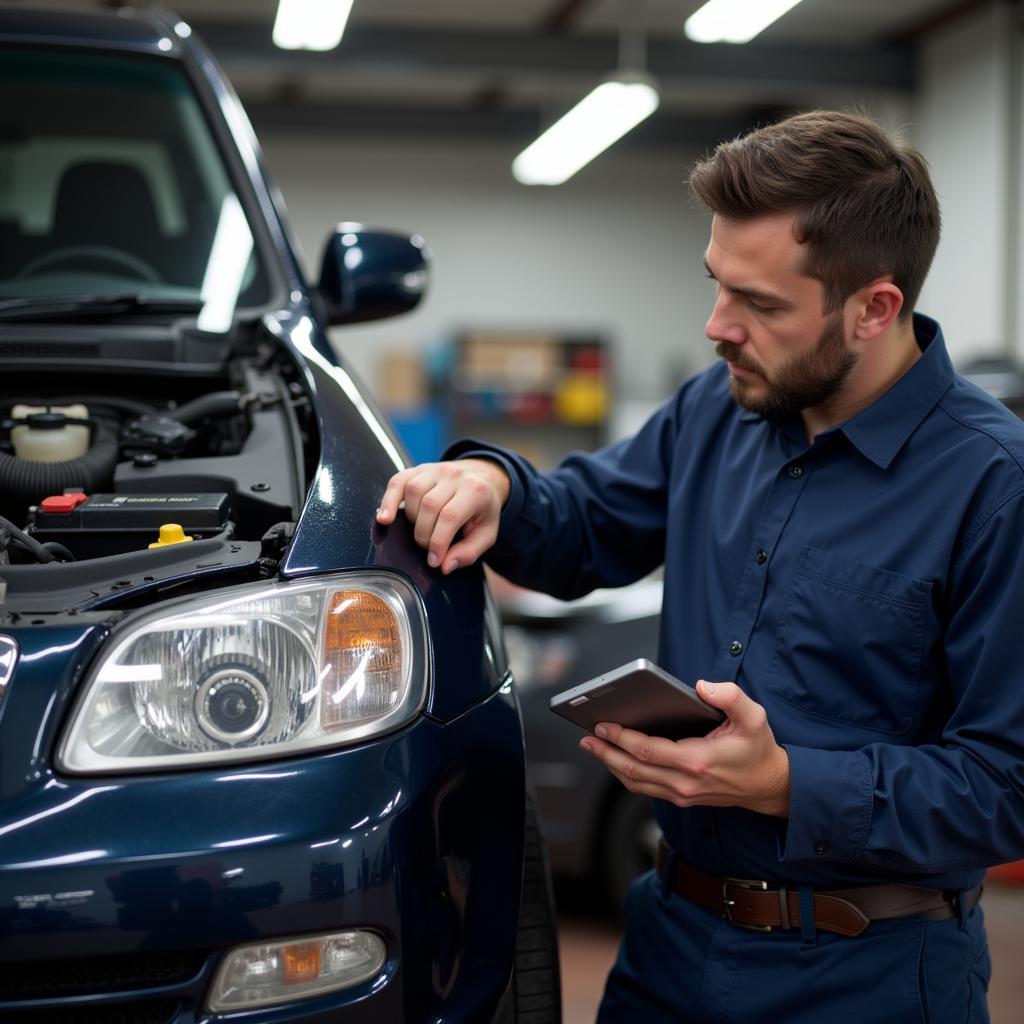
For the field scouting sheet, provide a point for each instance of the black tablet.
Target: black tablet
(639, 696)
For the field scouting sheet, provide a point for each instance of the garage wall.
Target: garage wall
(617, 250)
(965, 125)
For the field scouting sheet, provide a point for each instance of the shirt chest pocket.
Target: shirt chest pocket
(850, 643)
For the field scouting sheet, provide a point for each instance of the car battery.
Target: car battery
(91, 526)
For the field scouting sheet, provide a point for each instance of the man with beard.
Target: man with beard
(841, 522)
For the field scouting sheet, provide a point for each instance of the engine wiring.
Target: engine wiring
(51, 551)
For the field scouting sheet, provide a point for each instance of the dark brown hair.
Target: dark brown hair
(863, 203)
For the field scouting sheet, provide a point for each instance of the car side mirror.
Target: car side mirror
(368, 274)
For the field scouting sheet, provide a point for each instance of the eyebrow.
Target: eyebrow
(751, 293)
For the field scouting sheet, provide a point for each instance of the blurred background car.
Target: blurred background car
(596, 830)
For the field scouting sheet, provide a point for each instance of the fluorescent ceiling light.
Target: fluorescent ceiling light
(734, 21)
(310, 24)
(597, 121)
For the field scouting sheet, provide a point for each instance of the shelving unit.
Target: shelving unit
(543, 395)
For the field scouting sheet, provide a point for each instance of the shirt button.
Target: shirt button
(735, 648)
(796, 472)
(761, 557)
(822, 848)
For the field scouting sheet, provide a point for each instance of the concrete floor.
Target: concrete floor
(588, 943)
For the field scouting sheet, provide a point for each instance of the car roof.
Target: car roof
(130, 30)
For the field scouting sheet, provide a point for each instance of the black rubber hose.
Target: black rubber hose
(212, 406)
(61, 553)
(24, 483)
(27, 542)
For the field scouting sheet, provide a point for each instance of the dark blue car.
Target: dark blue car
(256, 758)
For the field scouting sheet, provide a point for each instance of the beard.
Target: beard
(805, 381)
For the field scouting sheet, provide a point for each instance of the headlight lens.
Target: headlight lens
(256, 672)
(286, 970)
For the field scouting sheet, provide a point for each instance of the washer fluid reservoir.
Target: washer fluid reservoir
(46, 436)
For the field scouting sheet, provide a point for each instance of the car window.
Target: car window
(111, 182)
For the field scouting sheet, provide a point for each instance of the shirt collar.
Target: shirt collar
(880, 431)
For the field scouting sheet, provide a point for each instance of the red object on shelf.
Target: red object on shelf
(529, 407)
(589, 357)
(1007, 874)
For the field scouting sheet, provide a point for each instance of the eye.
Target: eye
(761, 309)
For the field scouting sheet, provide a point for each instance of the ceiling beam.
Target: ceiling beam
(397, 54)
(557, 20)
(668, 131)
(564, 14)
(944, 16)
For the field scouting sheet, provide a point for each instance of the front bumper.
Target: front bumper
(119, 896)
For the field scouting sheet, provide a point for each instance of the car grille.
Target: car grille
(56, 979)
(151, 1011)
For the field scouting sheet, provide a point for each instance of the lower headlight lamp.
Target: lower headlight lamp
(267, 973)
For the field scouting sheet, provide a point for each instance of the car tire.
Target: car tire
(628, 843)
(534, 995)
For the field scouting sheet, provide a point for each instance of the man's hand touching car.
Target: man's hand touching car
(443, 498)
(738, 764)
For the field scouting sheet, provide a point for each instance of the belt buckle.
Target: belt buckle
(727, 904)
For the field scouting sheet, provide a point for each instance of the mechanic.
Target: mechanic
(841, 521)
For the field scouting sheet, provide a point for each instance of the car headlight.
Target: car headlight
(255, 672)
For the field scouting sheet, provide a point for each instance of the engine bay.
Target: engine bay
(191, 470)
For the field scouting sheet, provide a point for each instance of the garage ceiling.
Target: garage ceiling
(506, 68)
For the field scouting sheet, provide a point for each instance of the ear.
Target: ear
(876, 306)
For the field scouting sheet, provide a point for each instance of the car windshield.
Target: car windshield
(112, 187)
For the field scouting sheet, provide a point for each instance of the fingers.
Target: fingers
(434, 514)
(466, 504)
(651, 789)
(440, 500)
(728, 697)
(649, 779)
(648, 749)
(393, 496)
(476, 539)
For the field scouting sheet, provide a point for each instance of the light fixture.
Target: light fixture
(598, 120)
(310, 24)
(734, 21)
(601, 118)
(268, 973)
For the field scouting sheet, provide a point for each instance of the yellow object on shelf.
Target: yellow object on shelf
(582, 399)
(170, 533)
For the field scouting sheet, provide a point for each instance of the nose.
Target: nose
(724, 324)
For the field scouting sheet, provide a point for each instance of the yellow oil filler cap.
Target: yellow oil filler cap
(170, 533)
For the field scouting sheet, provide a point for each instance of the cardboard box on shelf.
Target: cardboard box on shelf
(514, 361)
(401, 382)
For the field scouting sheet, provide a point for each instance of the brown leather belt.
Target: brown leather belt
(757, 905)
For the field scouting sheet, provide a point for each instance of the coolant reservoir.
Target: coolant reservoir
(49, 439)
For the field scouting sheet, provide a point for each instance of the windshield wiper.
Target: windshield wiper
(93, 305)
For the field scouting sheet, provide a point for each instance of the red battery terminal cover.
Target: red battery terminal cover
(63, 502)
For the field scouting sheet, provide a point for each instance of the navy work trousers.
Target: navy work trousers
(681, 964)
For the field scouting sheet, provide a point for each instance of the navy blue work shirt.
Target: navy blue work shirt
(867, 589)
